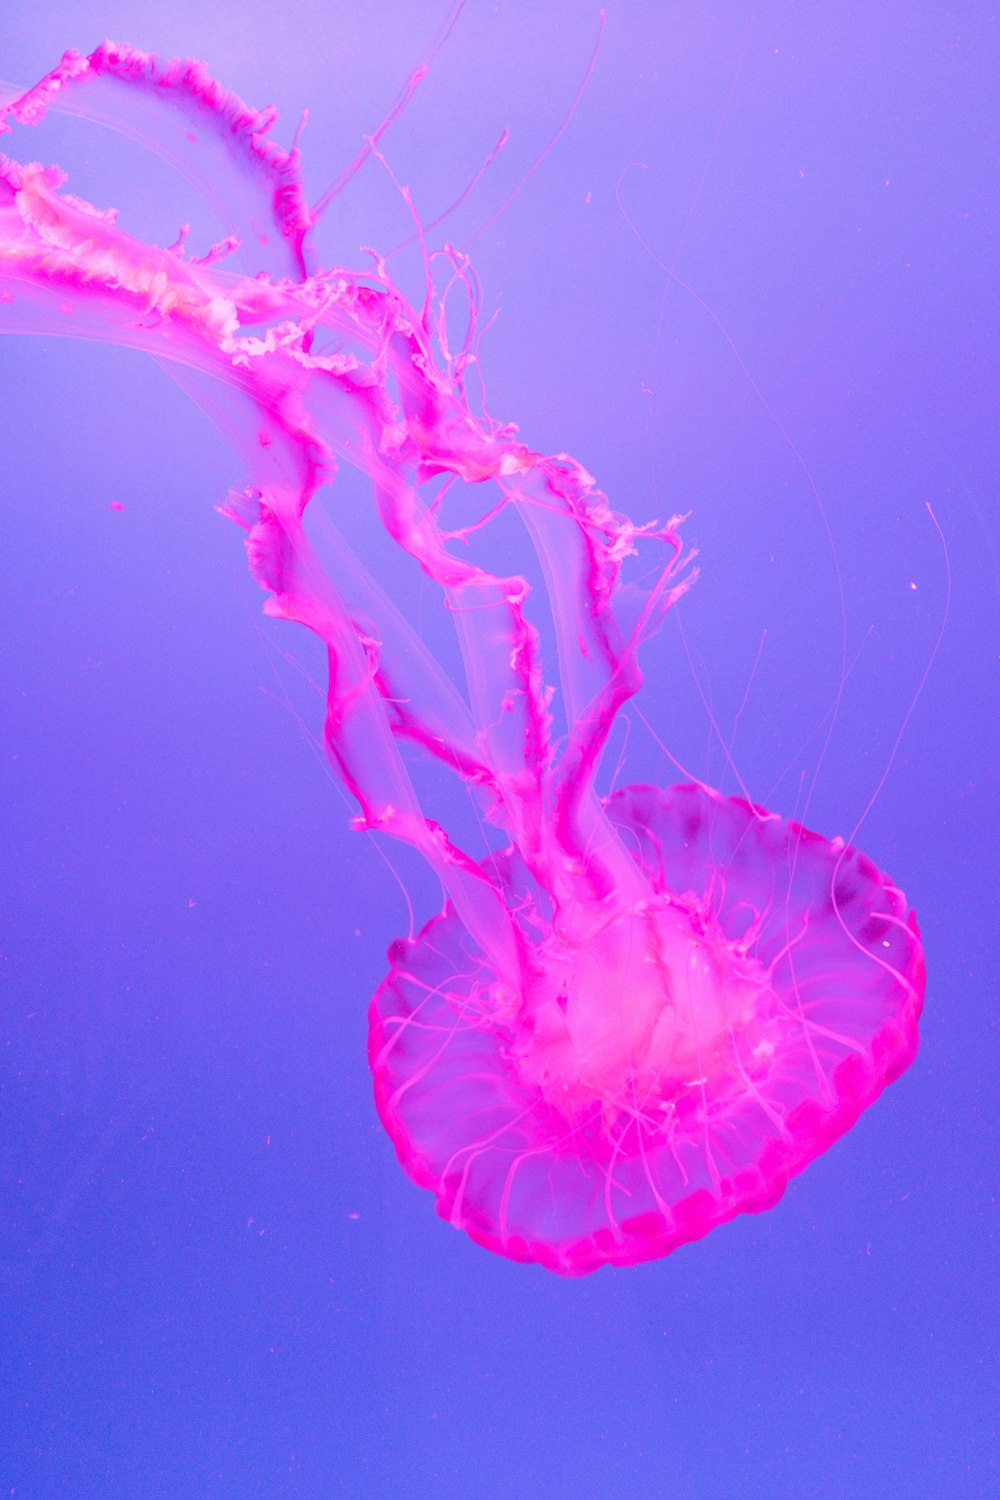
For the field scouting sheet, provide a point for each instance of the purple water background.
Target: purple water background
(215, 1278)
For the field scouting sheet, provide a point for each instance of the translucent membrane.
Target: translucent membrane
(647, 1013)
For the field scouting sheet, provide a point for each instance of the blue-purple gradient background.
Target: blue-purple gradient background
(215, 1279)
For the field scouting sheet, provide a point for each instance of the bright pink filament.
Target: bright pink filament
(647, 1014)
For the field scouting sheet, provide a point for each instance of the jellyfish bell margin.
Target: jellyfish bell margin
(650, 1011)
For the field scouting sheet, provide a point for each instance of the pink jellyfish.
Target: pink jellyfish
(636, 1017)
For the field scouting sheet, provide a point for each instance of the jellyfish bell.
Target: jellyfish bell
(676, 1064)
(646, 1012)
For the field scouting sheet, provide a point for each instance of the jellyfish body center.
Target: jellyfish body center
(640, 1010)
